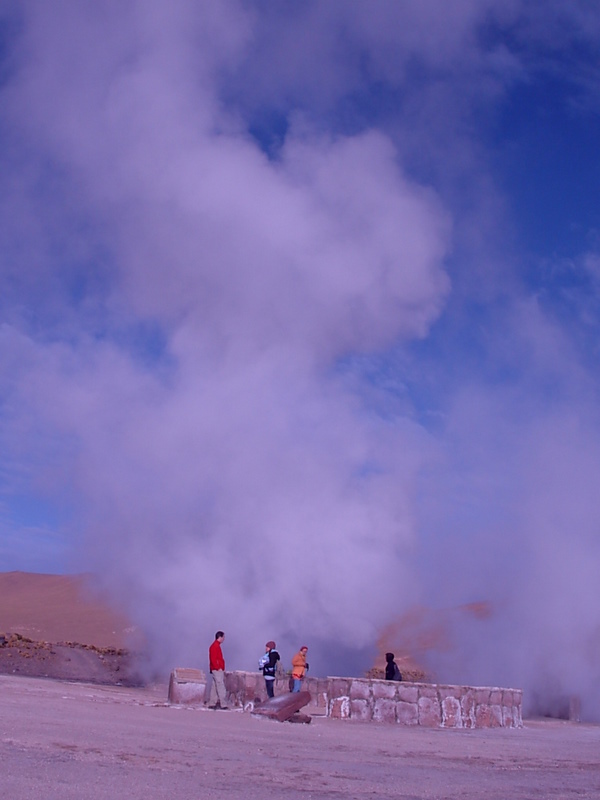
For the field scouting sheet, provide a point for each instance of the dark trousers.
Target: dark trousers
(270, 685)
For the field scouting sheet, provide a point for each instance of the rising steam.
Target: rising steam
(202, 259)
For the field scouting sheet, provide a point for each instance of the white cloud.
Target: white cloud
(230, 478)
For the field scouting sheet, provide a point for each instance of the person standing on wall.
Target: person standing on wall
(268, 664)
(216, 664)
(299, 668)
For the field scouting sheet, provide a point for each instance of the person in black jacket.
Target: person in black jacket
(268, 664)
(392, 673)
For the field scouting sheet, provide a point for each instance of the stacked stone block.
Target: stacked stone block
(429, 705)
(187, 686)
(371, 700)
(246, 689)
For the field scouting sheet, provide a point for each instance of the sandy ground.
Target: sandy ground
(76, 740)
(94, 738)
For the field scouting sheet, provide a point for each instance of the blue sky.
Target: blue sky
(311, 291)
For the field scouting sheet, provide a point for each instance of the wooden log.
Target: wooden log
(283, 707)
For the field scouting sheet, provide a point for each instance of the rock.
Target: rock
(187, 686)
(303, 718)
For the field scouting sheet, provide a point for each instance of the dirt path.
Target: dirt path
(66, 740)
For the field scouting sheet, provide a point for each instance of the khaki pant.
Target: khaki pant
(217, 689)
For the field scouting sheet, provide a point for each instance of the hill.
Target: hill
(59, 608)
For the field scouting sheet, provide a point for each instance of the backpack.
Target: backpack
(397, 673)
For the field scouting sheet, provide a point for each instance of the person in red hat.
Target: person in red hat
(299, 667)
(268, 665)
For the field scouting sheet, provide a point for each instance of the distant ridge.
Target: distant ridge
(59, 608)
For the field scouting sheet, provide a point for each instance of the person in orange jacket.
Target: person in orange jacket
(299, 667)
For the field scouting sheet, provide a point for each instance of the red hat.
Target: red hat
(270, 645)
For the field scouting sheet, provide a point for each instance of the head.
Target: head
(219, 636)
(304, 649)
(389, 657)
(270, 646)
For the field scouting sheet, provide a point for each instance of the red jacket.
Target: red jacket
(215, 656)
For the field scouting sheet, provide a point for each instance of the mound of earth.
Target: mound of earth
(53, 626)
(419, 632)
(55, 608)
(67, 661)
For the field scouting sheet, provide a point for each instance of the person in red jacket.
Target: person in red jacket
(216, 665)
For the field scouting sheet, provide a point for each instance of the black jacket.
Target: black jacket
(271, 665)
(392, 673)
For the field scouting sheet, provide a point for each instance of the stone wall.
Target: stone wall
(248, 688)
(371, 700)
(430, 705)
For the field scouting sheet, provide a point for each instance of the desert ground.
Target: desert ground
(89, 730)
(83, 741)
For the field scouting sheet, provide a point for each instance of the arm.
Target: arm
(273, 658)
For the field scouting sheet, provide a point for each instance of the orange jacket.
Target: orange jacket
(299, 664)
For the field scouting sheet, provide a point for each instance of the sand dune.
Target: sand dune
(53, 626)
(59, 608)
